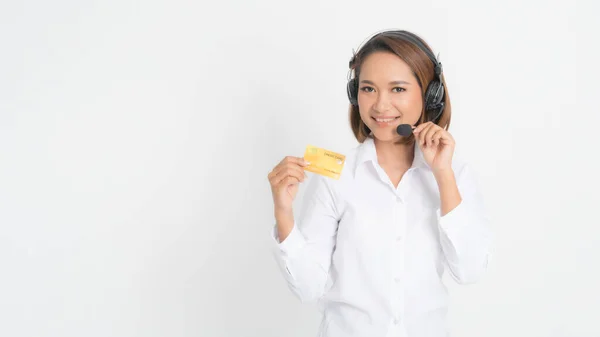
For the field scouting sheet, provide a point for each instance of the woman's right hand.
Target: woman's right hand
(285, 179)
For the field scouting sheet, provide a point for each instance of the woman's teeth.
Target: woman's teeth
(385, 120)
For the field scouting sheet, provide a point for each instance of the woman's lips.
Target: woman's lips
(386, 120)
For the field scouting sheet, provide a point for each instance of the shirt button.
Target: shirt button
(397, 279)
(398, 199)
(398, 238)
(397, 321)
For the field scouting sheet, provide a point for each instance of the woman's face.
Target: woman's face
(388, 95)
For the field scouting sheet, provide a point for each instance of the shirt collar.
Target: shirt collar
(367, 152)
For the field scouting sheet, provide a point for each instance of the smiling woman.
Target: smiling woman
(373, 245)
(394, 72)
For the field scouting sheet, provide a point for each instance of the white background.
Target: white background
(136, 138)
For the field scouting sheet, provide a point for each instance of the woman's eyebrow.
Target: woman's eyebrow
(392, 82)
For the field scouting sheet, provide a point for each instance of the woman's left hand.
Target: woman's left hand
(436, 144)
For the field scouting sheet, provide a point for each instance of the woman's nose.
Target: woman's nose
(383, 103)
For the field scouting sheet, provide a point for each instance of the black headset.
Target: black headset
(434, 95)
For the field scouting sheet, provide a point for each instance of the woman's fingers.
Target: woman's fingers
(287, 181)
(436, 136)
(292, 170)
(430, 134)
(289, 166)
(286, 161)
(295, 160)
(423, 131)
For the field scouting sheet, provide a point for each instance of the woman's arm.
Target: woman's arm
(303, 248)
(465, 234)
(449, 194)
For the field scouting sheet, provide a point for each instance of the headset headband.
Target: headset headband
(410, 37)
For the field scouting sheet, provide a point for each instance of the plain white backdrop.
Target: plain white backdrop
(136, 139)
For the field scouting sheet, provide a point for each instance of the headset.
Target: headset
(434, 95)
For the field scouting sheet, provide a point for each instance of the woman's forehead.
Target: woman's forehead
(384, 64)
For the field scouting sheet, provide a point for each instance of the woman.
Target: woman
(372, 246)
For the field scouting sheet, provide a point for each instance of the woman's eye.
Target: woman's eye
(398, 89)
(366, 89)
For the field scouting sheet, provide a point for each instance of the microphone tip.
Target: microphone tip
(404, 130)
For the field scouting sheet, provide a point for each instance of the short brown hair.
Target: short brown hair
(420, 64)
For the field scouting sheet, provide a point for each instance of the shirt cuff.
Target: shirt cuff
(456, 218)
(292, 244)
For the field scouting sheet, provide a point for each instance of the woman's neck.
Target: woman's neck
(393, 155)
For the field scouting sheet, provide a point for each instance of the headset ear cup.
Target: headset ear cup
(352, 92)
(433, 98)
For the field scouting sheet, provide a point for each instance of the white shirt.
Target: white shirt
(373, 255)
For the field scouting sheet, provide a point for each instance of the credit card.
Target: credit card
(324, 162)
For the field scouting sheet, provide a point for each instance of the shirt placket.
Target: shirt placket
(399, 227)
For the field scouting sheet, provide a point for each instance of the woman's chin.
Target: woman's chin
(386, 136)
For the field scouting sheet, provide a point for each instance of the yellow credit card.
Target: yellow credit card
(324, 162)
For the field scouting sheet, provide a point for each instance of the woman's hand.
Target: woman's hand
(437, 146)
(284, 180)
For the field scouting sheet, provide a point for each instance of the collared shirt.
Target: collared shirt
(373, 255)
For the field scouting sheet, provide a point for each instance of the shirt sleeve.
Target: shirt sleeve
(465, 234)
(304, 257)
